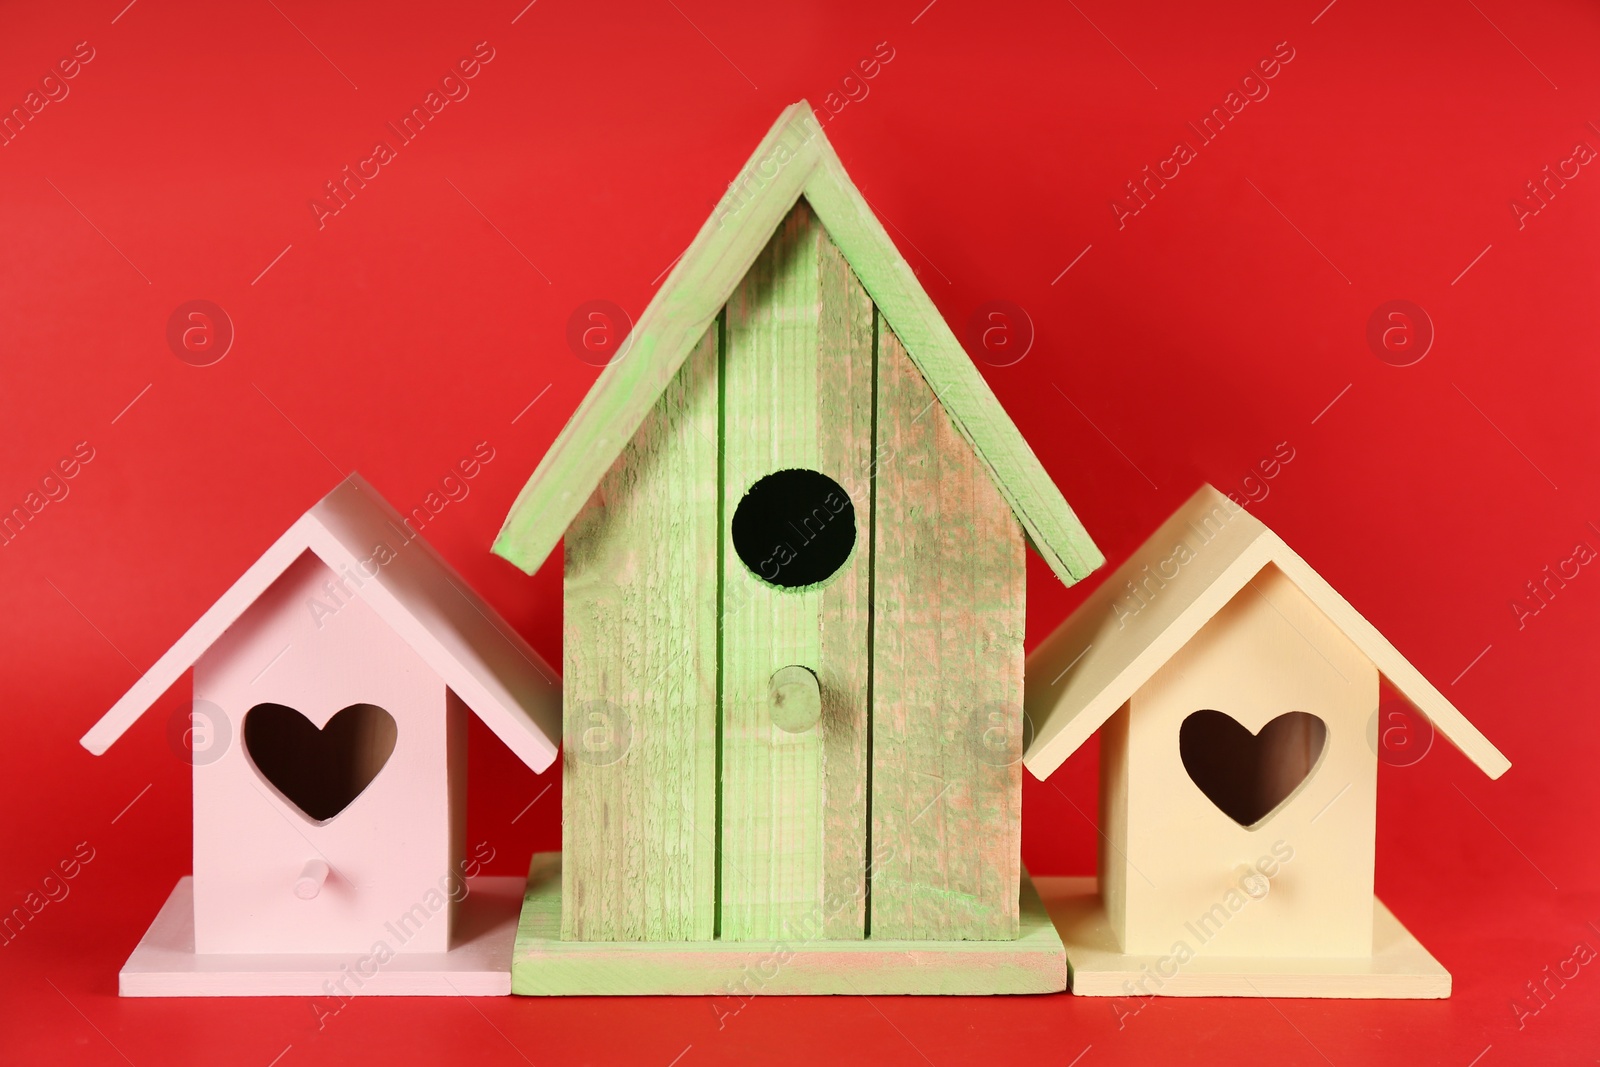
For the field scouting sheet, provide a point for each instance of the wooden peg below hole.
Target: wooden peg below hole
(794, 699)
(312, 875)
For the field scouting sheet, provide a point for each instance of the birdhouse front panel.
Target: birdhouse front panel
(332, 819)
(793, 627)
(1240, 788)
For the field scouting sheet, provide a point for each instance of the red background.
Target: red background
(1219, 321)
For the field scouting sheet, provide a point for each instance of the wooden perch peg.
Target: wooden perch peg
(795, 699)
(312, 875)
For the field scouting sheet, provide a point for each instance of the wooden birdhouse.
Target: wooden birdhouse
(1236, 698)
(795, 519)
(327, 734)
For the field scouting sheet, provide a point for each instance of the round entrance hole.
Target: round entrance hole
(794, 528)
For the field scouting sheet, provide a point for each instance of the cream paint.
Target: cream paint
(1267, 652)
(1214, 611)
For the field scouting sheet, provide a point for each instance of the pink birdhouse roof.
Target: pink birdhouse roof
(464, 640)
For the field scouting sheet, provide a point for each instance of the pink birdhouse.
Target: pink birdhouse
(332, 684)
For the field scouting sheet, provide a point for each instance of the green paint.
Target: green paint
(949, 576)
(722, 524)
(639, 679)
(872, 599)
(545, 965)
(715, 827)
(795, 158)
(798, 395)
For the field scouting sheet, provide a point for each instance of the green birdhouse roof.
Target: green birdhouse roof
(793, 160)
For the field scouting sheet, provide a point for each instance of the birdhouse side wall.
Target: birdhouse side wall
(1114, 786)
(1297, 883)
(312, 644)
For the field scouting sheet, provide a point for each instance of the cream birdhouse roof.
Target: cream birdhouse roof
(1103, 653)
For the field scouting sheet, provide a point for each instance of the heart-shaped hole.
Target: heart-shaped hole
(1250, 776)
(319, 771)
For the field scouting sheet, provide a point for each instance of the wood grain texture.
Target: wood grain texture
(1023, 484)
(949, 577)
(798, 394)
(732, 972)
(794, 158)
(667, 330)
(639, 640)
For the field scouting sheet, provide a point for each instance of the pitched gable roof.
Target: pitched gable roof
(476, 653)
(1101, 655)
(794, 160)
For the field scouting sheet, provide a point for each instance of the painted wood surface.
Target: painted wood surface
(949, 596)
(798, 394)
(1139, 617)
(1396, 967)
(734, 971)
(388, 848)
(1111, 850)
(675, 320)
(794, 158)
(478, 964)
(639, 787)
(1299, 882)
(377, 559)
(1025, 488)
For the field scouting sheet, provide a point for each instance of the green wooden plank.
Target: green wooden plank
(798, 377)
(948, 615)
(733, 971)
(845, 383)
(639, 652)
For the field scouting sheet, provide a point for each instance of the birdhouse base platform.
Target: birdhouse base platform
(1398, 969)
(165, 963)
(545, 965)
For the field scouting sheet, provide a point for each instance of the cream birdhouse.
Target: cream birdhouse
(1236, 698)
